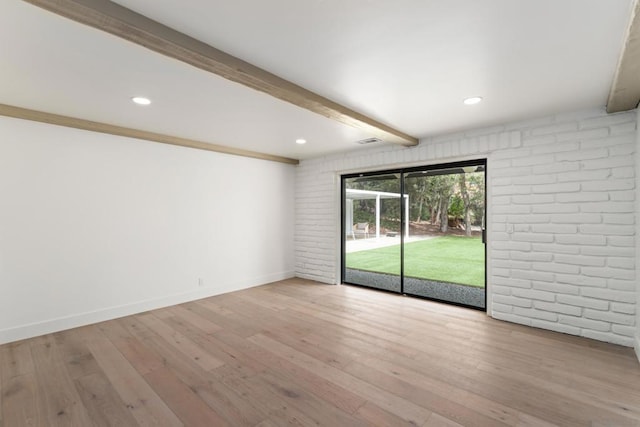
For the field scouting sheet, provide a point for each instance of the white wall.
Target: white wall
(564, 185)
(95, 226)
(637, 338)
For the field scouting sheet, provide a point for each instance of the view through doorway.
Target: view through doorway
(417, 231)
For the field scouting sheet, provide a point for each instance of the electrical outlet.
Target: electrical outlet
(200, 281)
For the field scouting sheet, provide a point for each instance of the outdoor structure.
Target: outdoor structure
(354, 194)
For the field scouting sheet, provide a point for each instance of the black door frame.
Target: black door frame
(402, 172)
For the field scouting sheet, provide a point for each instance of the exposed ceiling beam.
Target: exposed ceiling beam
(72, 122)
(625, 92)
(132, 26)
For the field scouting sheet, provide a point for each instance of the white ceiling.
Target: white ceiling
(408, 64)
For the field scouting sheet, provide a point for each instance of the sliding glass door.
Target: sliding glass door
(372, 208)
(417, 231)
(445, 257)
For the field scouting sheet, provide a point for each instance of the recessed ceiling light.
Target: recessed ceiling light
(140, 100)
(301, 141)
(473, 100)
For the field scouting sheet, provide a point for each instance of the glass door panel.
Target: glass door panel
(372, 231)
(444, 255)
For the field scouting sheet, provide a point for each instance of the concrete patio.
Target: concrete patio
(365, 244)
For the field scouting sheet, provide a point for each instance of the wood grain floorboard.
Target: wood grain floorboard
(19, 386)
(334, 394)
(103, 404)
(59, 401)
(140, 398)
(297, 353)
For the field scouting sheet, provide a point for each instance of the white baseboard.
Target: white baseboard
(82, 319)
(637, 345)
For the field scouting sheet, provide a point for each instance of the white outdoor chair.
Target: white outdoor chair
(362, 229)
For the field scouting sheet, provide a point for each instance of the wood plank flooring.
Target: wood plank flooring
(299, 353)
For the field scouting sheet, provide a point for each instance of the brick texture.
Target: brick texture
(560, 219)
(618, 307)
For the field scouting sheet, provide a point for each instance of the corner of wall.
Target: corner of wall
(637, 335)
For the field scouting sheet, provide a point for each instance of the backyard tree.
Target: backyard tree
(475, 188)
(466, 200)
(443, 188)
(419, 193)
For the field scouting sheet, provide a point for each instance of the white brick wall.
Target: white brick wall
(561, 217)
(616, 306)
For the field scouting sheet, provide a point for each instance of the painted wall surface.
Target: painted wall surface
(560, 219)
(637, 337)
(95, 226)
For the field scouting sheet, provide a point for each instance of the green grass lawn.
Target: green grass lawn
(447, 259)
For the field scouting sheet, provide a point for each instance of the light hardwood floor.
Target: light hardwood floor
(300, 353)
